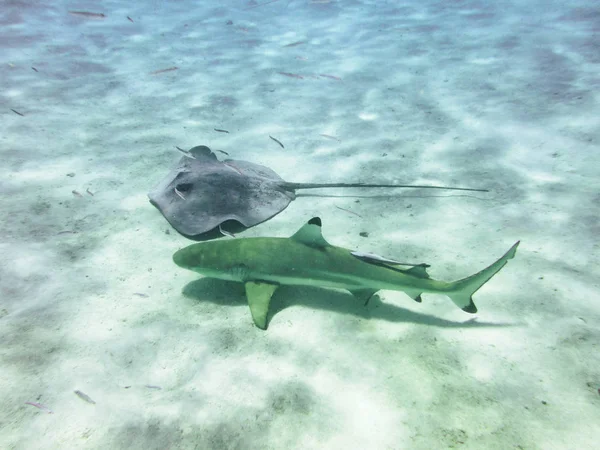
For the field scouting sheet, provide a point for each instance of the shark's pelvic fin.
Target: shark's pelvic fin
(310, 234)
(259, 297)
(462, 290)
(364, 294)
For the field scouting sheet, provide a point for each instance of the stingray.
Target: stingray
(204, 198)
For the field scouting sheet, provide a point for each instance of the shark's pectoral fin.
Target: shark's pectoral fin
(259, 297)
(364, 294)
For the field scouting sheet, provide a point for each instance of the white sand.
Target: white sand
(500, 95)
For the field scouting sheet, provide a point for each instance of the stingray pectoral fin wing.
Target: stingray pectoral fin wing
(259, 297)
(259, 201)
(202, 193)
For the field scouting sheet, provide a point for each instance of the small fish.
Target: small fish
(17, 112)
(152, 386)
(84, 397)
(231, 166)
(330, 137)
(89, 192)
(276, 140)
(141, 294)
(91, 15)
(291, 75)
(178, 192)
(40, 406)
(333, 77)
(372, 257)
(130, 19)
(185, 152)
(347, 210)
(170, 69)
(224, 152)
(294, 44)
(66, 232)
(76, 193)
(221, 131)
(259, 4)
(33, 68)
(226, 233)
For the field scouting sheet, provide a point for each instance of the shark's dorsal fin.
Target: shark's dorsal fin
(310, 234)
(259, 297)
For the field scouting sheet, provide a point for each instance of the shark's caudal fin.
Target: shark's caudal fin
(462, 290)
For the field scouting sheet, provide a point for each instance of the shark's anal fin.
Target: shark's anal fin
(415, 295)
(364, 294)
(259, 297)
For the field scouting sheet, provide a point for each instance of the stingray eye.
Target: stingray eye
(184, 187)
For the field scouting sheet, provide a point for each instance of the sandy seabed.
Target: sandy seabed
(495, 95)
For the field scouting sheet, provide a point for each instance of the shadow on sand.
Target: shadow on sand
(228, 293)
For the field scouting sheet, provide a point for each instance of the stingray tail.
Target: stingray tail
(294, 186)
(461, 291)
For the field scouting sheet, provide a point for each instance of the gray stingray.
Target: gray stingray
(203, 198)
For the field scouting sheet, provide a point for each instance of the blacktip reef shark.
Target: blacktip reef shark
(306, 258)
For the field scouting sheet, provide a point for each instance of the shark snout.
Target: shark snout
(182, 258)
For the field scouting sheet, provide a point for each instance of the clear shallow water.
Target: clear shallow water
(501, 96)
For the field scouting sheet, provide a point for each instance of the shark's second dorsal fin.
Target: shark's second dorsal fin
(419, 271)
(310, 234)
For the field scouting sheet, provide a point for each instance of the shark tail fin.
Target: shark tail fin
(461, 291)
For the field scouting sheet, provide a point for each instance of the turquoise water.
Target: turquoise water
(503, 96)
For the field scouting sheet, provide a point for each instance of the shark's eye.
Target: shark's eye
(184, 187)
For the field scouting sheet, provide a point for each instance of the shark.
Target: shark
(307, 259)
